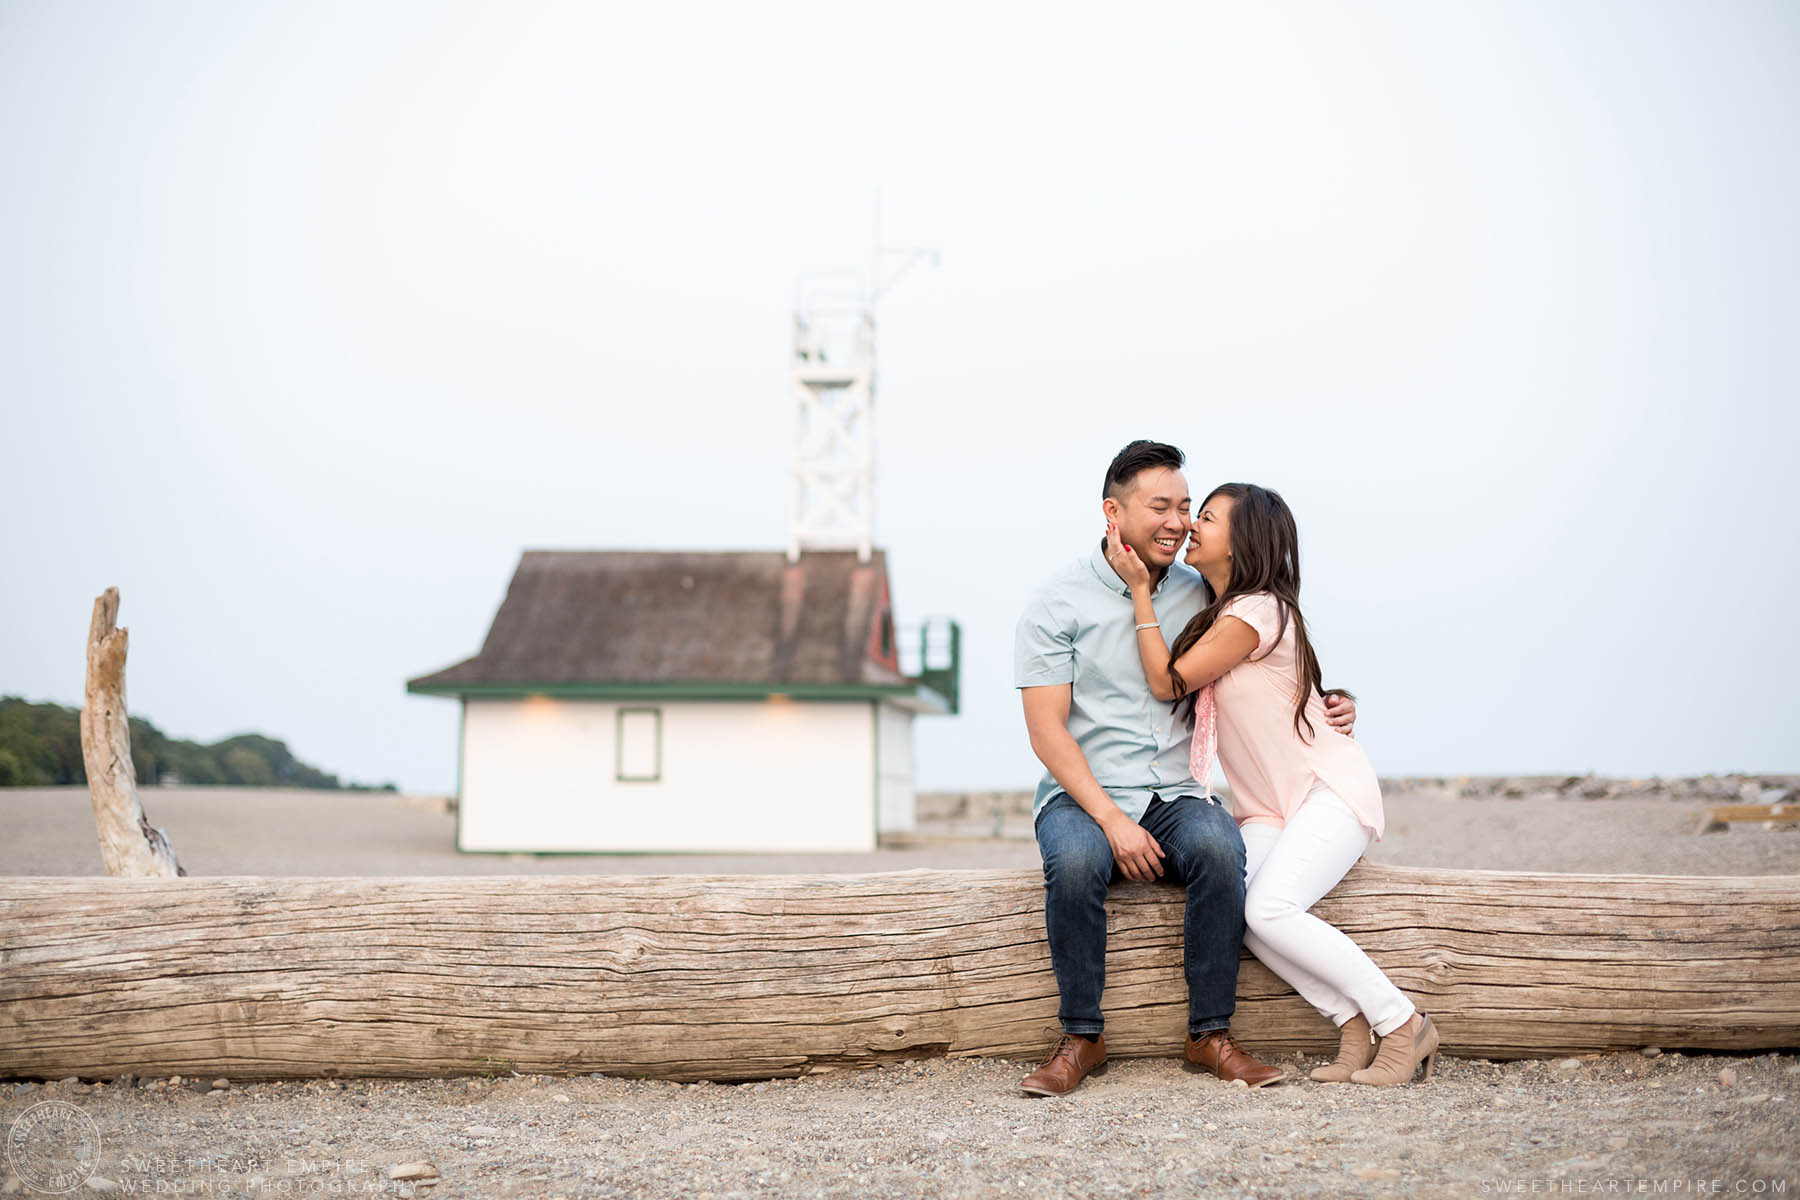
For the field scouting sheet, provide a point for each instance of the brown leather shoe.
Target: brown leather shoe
(1072, 1061)
(1219, 1053)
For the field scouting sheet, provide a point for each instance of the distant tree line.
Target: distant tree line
(40, 746)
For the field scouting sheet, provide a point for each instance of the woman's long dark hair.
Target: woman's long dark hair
(1265, 557)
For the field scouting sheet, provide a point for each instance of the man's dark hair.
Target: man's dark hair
(1140, 455)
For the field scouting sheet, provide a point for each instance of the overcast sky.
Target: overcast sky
(314, 316)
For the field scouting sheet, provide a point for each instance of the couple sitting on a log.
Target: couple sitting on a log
(1136, 670)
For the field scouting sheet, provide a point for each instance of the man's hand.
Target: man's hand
(1136, 852)
(1340, 713)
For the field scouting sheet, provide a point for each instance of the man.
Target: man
(1118, 798)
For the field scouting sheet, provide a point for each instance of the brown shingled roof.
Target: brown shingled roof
(738, 617)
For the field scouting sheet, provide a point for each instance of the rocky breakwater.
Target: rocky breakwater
(1706, 789)
(1001, 810)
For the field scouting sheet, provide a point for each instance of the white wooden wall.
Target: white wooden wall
(538, 774)
(895, 801)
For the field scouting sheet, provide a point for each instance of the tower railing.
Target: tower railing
(931, 652)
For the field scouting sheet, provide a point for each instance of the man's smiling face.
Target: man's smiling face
(1151, 512)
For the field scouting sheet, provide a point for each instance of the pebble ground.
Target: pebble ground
(1620, 1124)
(1624, 1124)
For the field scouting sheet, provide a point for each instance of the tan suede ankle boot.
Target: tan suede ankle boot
(1400, 1055)
(1356, 1050)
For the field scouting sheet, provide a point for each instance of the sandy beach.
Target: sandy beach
(1628, 827)
(1653, 1122)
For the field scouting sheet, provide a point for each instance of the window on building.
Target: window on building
(639, 752)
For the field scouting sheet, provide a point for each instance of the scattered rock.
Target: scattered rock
(1569, 1064)
(221, 1083)
(100, 1183)
(562, 1098)
(1727, 1077)
(1651, 1052)
(968, 1109)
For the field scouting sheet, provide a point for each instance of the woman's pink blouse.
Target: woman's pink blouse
(1246, 718)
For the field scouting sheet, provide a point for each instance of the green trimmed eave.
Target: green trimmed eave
(914, 697)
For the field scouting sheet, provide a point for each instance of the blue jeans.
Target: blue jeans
(1201, 852)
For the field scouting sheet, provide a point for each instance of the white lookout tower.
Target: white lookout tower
(831, 501)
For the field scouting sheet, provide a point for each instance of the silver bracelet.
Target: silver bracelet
(1149, 625)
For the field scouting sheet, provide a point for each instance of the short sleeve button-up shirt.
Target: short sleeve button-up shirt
(1079, 629)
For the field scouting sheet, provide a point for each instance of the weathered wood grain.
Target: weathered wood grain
(746, 977)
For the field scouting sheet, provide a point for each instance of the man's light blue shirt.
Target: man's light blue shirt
(1080, 629)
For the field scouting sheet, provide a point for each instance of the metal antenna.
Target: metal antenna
(909, 256)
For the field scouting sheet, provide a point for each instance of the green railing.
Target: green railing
(931, 652)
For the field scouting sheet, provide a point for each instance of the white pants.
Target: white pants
(1286, 870)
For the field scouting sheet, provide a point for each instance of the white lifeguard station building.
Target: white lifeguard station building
(712, 701)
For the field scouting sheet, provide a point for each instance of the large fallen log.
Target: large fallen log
(747, 977)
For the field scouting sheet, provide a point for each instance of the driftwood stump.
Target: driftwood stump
(129, 845)
(748, 977)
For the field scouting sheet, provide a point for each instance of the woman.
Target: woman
(1306, 799)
